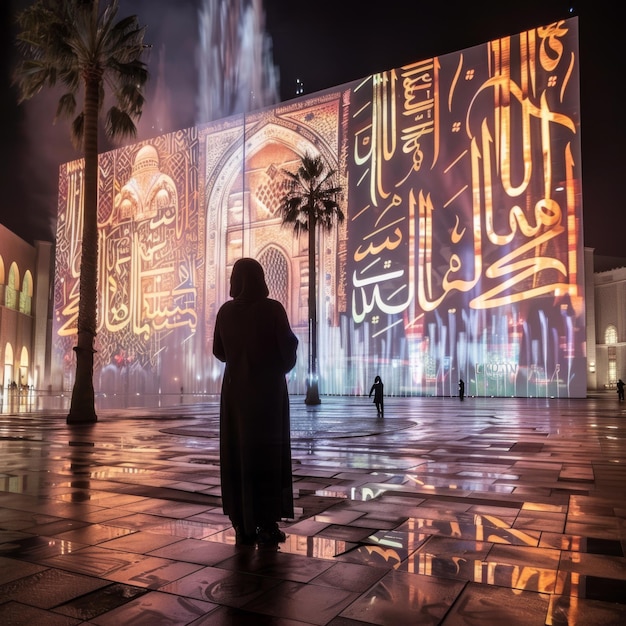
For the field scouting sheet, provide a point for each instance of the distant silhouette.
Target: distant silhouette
(461, 389)
(620, 390)
(377, 390)
(253, 337)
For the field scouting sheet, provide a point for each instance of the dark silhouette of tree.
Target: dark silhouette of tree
(81, 47)
(311, 202)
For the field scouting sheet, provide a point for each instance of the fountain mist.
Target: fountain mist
(236, 73)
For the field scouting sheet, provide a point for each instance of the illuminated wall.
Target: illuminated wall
(461, 255)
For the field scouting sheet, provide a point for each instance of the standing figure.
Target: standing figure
(253, 337)
(377, 390)
(461, 389)
(620, 390)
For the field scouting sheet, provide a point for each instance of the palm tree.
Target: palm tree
(75, 44)
(311, 201)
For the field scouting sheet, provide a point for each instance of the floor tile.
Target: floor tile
(594, 564)
(195, 551)
(12, 569)
(155, 608)
(102, 600)
(480, 604)
(350, 576)
(403, 598)
(573, 611)
(277, 565)
(311, 604)
(221, 586)
(16, 614)
(48, 588)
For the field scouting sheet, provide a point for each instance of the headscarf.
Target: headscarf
(247, 282)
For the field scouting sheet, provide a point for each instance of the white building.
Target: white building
(606, 364)
(25, 309)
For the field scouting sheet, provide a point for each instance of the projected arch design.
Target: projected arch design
(244, 186)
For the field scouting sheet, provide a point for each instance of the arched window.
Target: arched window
(2, 281)
(26, 294)
(610, 334)
(24, 368)
(13, 284)
(275, 267)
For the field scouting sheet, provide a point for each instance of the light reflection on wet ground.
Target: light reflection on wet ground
(488, 511)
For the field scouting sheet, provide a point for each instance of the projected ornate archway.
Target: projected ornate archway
(242, 195)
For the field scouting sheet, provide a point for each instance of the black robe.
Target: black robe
(377, 390)
(253, 337)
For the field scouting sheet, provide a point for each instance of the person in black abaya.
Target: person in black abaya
(377, 390)
(253, 337)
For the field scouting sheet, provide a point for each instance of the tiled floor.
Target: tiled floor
(487, 511)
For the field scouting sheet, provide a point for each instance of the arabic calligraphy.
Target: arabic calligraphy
(504, 236)
(147, 262)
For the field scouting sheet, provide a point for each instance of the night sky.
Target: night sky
(326, 43)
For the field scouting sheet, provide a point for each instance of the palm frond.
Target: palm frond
(130, 99)
(63, 41)
(106, 23)
(34, 76)
(78, 130)
(118, 123)
(66, 106)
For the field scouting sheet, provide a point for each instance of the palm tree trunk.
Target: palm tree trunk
(82, 408)
(312, 389)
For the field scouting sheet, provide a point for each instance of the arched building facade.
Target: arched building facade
(25, 328)
(609, 361)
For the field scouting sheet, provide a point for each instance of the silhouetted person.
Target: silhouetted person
(620, 389)
(461, 389)
(253, 337)
(377, 390)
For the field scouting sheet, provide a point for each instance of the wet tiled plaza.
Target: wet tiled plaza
(489, 511)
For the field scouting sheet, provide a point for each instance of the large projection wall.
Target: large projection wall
(460, 256)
